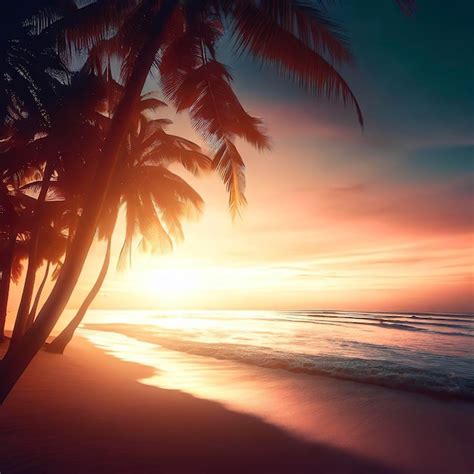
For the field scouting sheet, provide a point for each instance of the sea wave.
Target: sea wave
(395, 325)
(449, 317)
(442, 383)
(408, 322)
(342, 319)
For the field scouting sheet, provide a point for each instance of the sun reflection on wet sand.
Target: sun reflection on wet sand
(364, 419)
(244, 388)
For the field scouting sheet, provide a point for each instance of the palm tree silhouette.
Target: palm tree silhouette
(155, 199)
(16, 240)
(68, 147)
(180, 38)
(30, 69)
(29, 66)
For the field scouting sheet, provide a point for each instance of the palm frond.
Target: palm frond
(310, 24)
(228, 162)
(43, 13)
(33, 188)
(217, 114)
(17, 267)
(214, 108)
(149, 106)
(262, 37)
(83, 28)
(192, 161)
(125, 257)
(155, 239)
(176, 200)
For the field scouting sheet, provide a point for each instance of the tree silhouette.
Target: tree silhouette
(155, 199)
(179, 40)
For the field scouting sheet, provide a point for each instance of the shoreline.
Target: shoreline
(131, 330)
(86, 412)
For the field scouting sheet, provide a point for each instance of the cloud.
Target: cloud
(421, 208)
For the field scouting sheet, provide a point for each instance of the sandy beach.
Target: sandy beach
(86, 412)
(248, 225)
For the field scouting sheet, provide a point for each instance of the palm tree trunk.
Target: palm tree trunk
(31, 316)
(20, 355)
(64, 338)
(5, 282)
(29, 285)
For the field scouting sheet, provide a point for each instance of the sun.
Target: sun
(167, 282)
(178, 284)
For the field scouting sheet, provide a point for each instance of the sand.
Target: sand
(85, 412)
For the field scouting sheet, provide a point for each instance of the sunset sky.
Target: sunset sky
(379, 219)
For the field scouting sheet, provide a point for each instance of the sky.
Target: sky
(338, 217)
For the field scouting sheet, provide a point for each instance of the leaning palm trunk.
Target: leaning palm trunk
(29, 285)
(64, 338)
(20, 355)
(5, 283)
(31, 316)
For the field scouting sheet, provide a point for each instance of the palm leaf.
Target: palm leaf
(155, 239)
(192, 161)
(310, 24)
(228, 162)
(262, 37)
(217, 114)
(125, 256)
(84, 28)
(55, 192)
(215, 110)
(174, 198)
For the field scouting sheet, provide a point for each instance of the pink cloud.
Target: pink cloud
(444, 208)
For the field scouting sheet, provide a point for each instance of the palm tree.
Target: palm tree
(30, 77)
(15, 236)
(68, 147)
(15, 223)
(295, 37)
(64, 338)
(29, 66)
(155, 199)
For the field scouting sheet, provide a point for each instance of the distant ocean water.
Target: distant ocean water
(422, 352)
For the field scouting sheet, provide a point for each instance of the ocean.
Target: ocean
(431, 353)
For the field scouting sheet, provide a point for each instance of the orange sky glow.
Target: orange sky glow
(334, 237)
(338, 217)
